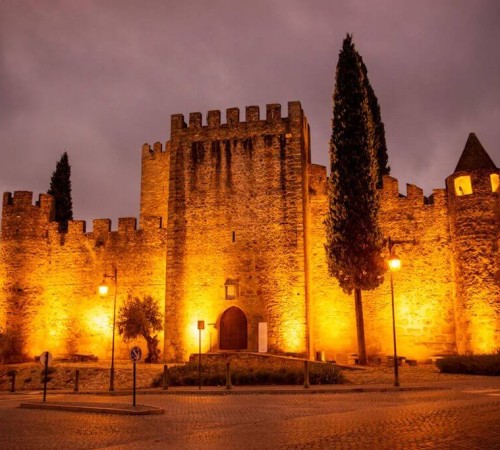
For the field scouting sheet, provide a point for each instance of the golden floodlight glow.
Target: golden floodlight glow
(103, 290)
(394, 263)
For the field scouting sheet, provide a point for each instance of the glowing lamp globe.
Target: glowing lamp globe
(103, 290)
(394, 263)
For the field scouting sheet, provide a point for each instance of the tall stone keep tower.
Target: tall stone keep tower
(237, 251)
(474, 205)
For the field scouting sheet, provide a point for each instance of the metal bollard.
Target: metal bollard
(228, 376)
(306, 375)
(13, 381)
(77, 380)
(165, 377)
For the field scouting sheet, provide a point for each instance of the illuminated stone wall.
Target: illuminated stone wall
(475, 231)
(423, 287)
(238, 204)
(334, 321)
(236, 212)
(51, 291)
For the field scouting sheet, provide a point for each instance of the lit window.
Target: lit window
(463, 185)
(231, 289)
(495, 181)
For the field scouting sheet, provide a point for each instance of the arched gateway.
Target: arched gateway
(233, 330)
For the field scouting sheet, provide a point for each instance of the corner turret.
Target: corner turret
(474, 206)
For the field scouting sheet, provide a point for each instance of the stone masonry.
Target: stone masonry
(231, 233)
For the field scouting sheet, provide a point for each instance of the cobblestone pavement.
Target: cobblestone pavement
(467, 416)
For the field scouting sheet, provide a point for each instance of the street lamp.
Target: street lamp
(394, 265)
(103, 291)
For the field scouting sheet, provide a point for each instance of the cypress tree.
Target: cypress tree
(60, 189)
(354, 239)
(377, 135)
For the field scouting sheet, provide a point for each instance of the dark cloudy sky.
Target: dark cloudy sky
(100, 78)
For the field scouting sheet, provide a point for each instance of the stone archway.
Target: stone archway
(233, 330)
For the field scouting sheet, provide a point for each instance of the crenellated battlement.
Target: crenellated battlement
(23, 200)
(157, 150)
(414, 195)
(252, 116)
(19, 206)
(21, 217)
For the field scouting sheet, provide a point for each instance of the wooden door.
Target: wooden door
(233, 330)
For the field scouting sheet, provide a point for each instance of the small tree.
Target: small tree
(60, 189)
(141, 318)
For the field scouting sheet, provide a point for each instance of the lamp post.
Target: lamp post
(201, 326)
(394, 265)
(103, 291)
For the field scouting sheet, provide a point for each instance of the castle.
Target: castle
(231, 232)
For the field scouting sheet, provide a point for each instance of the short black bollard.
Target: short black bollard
(306, 375)
(12, 373)
(165, 377)
(228, 376)
(77, 380)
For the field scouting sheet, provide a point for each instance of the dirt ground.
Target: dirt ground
(95, 375)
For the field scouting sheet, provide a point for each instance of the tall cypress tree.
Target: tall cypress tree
(354, 239)
(377, 129)
(60, 189)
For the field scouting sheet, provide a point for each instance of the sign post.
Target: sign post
(201, 326)
(45, 360)
(135, 356)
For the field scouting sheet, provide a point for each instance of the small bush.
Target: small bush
(214, 374)
(11, 347)
(488, 364)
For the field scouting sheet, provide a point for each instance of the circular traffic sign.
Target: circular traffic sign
(135, 354)
(45, 358)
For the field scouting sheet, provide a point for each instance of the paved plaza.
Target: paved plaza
(461, 415)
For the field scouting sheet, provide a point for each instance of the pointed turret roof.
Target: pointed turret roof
(474, 157)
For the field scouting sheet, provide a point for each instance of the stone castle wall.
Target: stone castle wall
(240, 204)
(236, 213)
(51, 291)
(423, 288)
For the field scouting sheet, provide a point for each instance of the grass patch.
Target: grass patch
(214, 374)
(488, 364)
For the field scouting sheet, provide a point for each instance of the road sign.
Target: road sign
(45, 358)
(136, 354)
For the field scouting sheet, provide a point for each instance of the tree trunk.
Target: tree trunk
(153, 352)
(360, 327)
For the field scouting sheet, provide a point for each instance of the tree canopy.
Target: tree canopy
(60, 189)
(141, 318)
(354, 238)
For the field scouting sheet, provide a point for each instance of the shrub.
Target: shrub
(214, 374)
(11, 347)
(488, 364)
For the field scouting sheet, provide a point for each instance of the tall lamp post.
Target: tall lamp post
(103, 291)
(394, 266)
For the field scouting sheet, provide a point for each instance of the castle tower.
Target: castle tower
(154, 182)
(236, 252)
(474, 205)
(25, 227)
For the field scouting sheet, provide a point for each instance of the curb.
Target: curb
(103, 408)
(207, 390)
